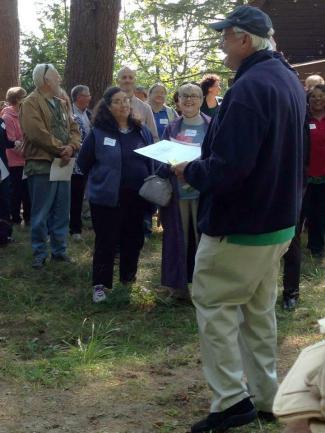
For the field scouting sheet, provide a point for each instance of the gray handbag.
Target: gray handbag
(156, 190)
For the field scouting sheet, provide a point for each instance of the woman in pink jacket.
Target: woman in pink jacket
(18, 186)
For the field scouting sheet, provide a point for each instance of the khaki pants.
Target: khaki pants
(298, 427)
(188, 210)
(234, 292)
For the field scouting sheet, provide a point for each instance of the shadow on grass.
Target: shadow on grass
(51, 331)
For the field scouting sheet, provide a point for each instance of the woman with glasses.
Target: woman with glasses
(210, 86)
(115, 175)
(179, 218)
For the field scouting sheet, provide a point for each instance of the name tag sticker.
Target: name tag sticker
(312, 126)
(190, 132)
(109, 141)
(163, 121)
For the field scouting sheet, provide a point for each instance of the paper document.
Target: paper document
(170, 152)
(61, 173)
(4, 173)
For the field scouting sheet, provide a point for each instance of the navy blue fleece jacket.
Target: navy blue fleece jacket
(251, 169)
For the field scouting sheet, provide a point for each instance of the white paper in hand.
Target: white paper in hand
(4, 173)
(61, 173)
(170, 152)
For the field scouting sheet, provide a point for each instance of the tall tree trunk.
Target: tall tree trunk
(9, 45)
(91, 44)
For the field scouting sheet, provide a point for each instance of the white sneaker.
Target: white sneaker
(76, 237)
(99, 294)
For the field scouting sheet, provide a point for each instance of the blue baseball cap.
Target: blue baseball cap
(248, 18)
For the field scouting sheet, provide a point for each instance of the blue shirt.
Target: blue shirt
(161, 119)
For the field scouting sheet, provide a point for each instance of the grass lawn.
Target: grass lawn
(129, 365)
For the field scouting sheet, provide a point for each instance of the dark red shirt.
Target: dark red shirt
(317, 147)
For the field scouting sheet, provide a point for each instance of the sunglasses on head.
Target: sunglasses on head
(47, 67)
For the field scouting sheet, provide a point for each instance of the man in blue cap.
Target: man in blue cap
(250, 182)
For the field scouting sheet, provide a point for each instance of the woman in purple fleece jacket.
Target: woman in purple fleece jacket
(179, 218)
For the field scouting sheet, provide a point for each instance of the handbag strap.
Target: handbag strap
(153, 170)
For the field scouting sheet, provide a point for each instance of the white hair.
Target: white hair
(314, 80)
(258, 42)
(39, 73)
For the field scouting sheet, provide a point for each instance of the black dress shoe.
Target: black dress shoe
(289, 303)
(266, 416)
(239, 414)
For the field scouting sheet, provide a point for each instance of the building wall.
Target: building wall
(299, 27)
(305, 70)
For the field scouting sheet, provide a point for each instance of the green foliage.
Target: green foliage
(50, 46)
(171, 42)
(164, 41)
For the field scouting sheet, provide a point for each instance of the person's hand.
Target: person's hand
(178, 170)
(65, 154)
(64, 161)
(66, 151)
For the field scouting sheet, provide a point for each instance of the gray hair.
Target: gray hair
(125, 69)
(314, 80)
(258, 42)
(77, 90)
(157, 85)
(40, 72)
(188, 88)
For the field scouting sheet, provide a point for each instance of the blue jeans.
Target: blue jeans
(49, 214)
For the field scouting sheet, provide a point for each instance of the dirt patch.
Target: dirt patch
(157, 398)
(138, 402)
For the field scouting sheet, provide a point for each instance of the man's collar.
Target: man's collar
(75, 107)
(257, 57)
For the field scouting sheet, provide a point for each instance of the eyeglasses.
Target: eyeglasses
(130, 77)
(225, 37)
(88, 95)
(189, 96)
(47, 67)
(124, 101)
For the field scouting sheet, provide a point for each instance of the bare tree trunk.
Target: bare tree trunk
(9, 46)
(91, 44)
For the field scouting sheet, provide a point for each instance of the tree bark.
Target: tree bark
(91, 45)
(9, 46)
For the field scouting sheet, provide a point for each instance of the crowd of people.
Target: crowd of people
(47, 124)
(233, 214)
